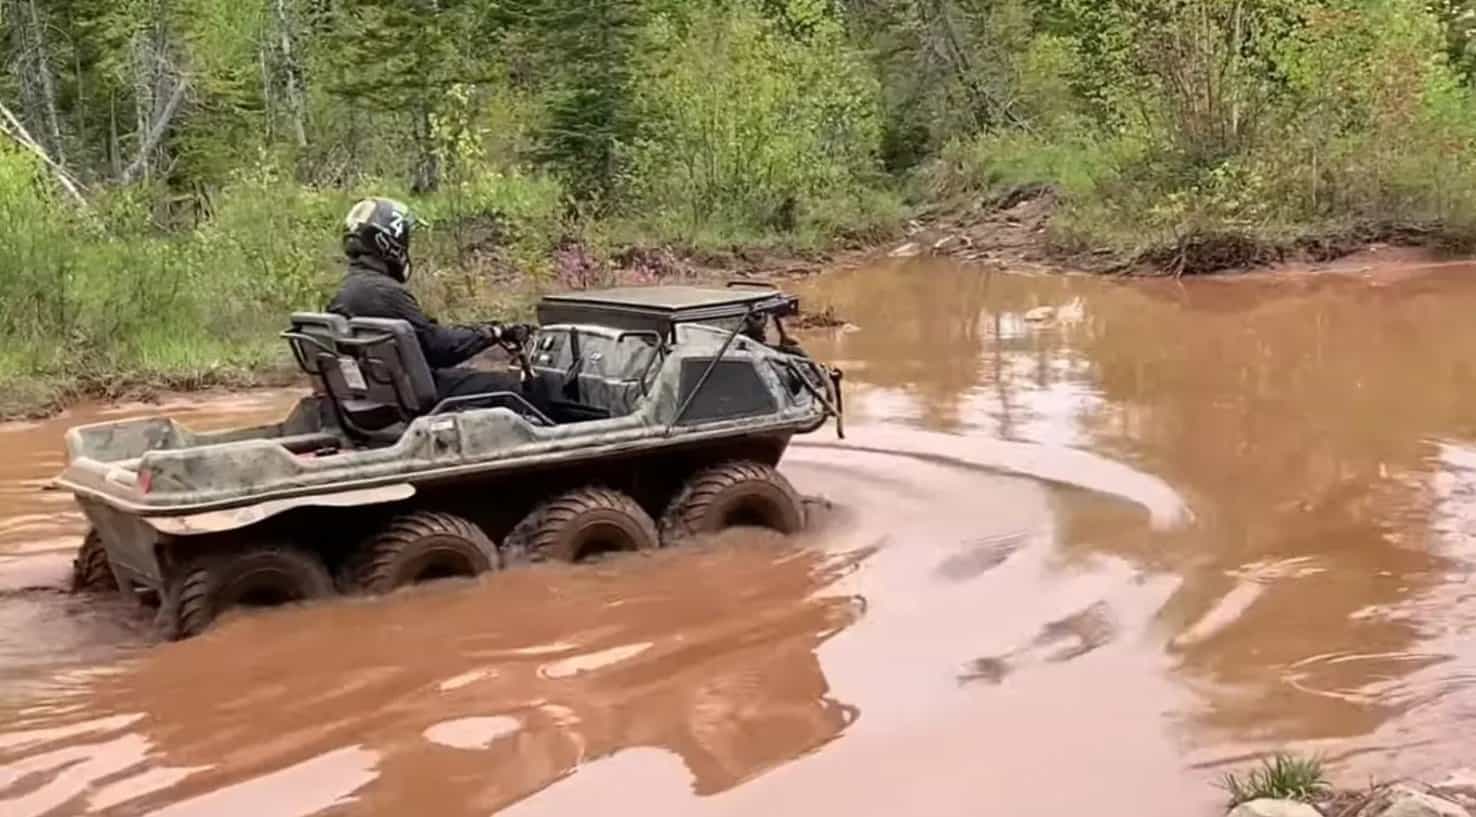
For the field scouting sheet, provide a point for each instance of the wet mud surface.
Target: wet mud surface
(1091, 542)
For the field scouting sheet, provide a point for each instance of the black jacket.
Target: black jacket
(369, 292)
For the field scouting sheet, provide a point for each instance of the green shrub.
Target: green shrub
(1324, 118)
(746, 127)
(104, 293)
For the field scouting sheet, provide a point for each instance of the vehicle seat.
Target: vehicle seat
(381, 380)
(374, 374)
(371, 370)
(312, 334)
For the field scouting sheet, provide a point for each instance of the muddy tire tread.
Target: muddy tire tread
(192, 611)
(547, 523)
(189, 610)
(683, 516)
(372, 568)
(91, 572)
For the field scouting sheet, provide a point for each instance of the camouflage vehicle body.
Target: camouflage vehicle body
(668, 381)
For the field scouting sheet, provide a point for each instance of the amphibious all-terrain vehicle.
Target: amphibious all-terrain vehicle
(668, 410)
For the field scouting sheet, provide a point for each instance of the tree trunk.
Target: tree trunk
(942, 38)
(40, 61)
(159, 89)
(156, 132)
(11, 126)
(292, 73)
(32, 63)
(115, 149)
(267, 93)
(427, 174)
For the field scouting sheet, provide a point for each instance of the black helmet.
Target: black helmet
(380, 228)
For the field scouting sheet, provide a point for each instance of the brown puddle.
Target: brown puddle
(1083, 561)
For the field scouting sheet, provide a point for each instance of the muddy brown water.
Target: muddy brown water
(1075, 566)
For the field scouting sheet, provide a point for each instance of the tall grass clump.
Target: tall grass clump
(1280, 777)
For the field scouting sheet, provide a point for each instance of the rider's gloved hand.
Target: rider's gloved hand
(516, 334)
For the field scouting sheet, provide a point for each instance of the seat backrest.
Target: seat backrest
(393, 366)
(314, 338)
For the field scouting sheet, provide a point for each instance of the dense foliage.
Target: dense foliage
(171, 171)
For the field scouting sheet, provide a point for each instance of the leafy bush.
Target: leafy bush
(746, 127)
(106, 293)
(1257, 119)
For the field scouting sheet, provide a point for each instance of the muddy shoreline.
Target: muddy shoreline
(1004, 233)
(1009, 232)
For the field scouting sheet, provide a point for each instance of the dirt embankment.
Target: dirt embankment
(1008, 232)
(1011, 232)
(39, 397)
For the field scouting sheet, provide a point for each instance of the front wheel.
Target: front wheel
(259, 576)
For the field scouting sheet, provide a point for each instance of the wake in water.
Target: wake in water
(1056, 465)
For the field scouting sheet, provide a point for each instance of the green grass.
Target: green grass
(1280, 777)
(995, 162)
(869, 214)
(37, 378)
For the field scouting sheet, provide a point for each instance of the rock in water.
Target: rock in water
(1459, 779)
(1460, 787)
(1408, 801)
(1274, 808)
(907, 250)
(1041, 314)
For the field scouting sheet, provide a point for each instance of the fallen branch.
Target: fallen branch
(156, 132)
(17, 132)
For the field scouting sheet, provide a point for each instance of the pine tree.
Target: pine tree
(590, 107)
(392, 56)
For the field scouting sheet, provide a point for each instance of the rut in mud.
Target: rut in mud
(1091, 542)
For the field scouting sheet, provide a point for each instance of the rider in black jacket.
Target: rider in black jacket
(377, 242)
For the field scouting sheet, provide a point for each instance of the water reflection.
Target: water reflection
(441, 702)
(1318, 595)
(1300, 417)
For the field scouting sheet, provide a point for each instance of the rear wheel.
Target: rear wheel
(734, 494)
(262, 576)
(91, 572)
(419, 547)
(588, 522)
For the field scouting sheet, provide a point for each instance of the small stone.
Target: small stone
(1040, 314)
(1407, 801)
(1274, 808)
(951, 243)
(907, 250)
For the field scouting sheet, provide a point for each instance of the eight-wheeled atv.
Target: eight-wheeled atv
(668, 410)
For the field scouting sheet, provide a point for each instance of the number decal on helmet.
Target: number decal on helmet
(362, 212)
